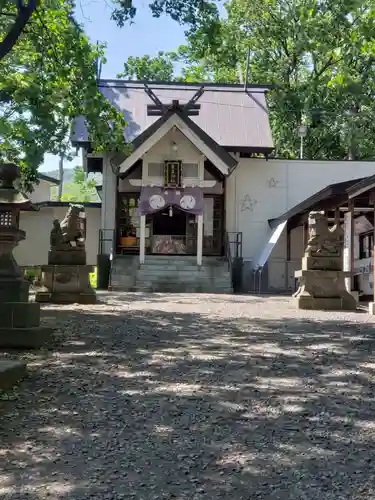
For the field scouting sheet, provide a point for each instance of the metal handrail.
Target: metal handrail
(235, 238)
(237, 241)
(228, 253)
(104, 237)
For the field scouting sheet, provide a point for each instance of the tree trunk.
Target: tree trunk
(61, 178)
(23, 16)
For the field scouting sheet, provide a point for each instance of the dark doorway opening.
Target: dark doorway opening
(164, 224)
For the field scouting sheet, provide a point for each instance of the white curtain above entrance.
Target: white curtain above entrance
(154, 199)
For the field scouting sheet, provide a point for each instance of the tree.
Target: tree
(48, 77)
(80, 190)
(47, 80)
(19, 14)
(319, 56)
(157, 69)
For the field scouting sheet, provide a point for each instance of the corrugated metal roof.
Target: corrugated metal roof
(231, 116)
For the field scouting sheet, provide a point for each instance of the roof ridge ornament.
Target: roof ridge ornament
(191, 108)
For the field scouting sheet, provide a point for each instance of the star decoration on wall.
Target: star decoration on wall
(248, 204)
(272, 182)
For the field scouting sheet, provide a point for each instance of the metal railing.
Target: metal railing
(105, 236)
(228, 253)
(108, 236)
(234, 240)
(233, 250)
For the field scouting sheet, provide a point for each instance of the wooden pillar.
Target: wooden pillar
(288, 242)
(337, 216)
(352, 225)
(142, 239)
(348, 257)
(305, 234)
(288, 231)
(200, 240)
(373, 267)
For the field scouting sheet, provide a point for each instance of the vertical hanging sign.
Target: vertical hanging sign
(172, 173)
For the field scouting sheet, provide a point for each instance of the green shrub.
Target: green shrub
(32, 274)
(93, 278)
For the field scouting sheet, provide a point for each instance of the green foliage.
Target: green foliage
(47, 79)
(319, 56)
(80, 190)
(157, 69)
(182, 11)
(94, 278)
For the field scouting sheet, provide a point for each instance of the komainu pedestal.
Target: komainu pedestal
(19, 318)
(66, 278)
(322, 280)
(66, 285)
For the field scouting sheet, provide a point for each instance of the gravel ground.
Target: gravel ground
(152, 396)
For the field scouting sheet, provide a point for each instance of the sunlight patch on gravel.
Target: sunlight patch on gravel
(194, 397)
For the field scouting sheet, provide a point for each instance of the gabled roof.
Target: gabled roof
(234, 118)
(176, 117)
(362, 186)
(333, 194)
(49, 179)
(51, 203)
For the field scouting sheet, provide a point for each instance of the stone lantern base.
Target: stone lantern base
(19, 319)
(66, 284)
(11, 372)
(20, 326)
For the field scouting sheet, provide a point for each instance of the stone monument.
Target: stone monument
(66, 278)
(19, 318)
(322, 279)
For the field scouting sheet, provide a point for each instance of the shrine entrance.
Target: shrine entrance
(173, 232)
(179, 226)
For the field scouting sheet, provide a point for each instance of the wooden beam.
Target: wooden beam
(305, 235)
(373, 263)
(288, 242)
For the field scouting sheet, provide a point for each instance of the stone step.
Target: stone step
(171, 274)
(182, 261)
(182, 288)
(195, 283)
(182, 274)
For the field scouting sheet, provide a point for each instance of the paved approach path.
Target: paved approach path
(194, 397)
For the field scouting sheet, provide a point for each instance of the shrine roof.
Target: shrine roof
(234, 117)
(329, 197)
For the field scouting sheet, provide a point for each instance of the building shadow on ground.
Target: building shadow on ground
(158, 404)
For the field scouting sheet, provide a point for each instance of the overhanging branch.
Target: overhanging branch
(23, 16)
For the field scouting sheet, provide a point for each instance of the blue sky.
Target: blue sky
(146, 36)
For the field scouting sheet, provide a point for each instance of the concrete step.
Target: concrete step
(171, 274)
(181, 288)
(182, 261)
(182, 273)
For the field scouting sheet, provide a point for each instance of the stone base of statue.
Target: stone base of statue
(67, 257)
(322, 288)
(66, 284)
(20, 326)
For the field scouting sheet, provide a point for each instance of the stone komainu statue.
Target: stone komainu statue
(68, 234)
(323, 241)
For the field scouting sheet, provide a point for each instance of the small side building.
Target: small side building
(34, 250)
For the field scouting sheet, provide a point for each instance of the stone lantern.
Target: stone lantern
(19, 319)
